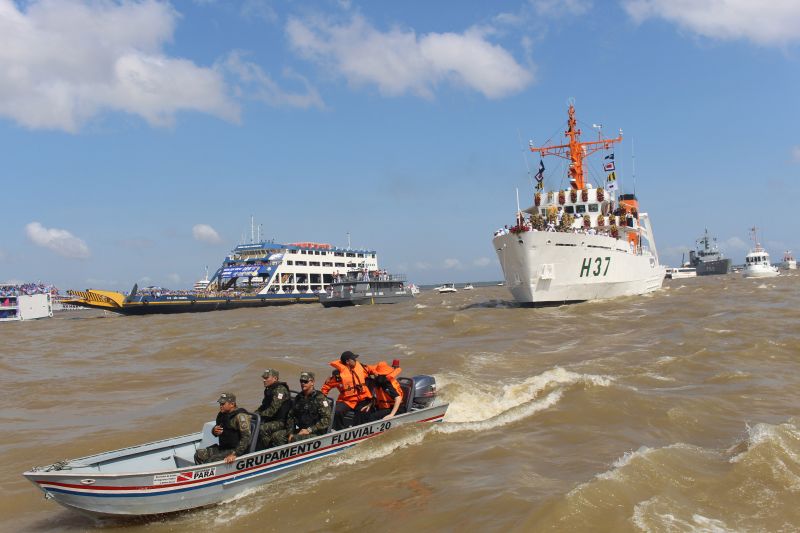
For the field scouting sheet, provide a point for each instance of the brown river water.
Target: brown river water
(675, 411)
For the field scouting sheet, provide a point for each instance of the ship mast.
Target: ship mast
(575, 150)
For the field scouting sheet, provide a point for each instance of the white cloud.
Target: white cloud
(452, 264)
(421, 265)
(258, 10)
(173, 278)
(560, 8)
(63, 62)
(482, 262)
(774, 22)
(257, 84)
(796, 153)
(60, 241)
(399, 61)
(205, 233)
(735, 243)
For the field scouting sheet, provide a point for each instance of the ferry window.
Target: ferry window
(313, 263)
(569, 209)
(544, 212)
(580, 208)
(359, 255)
(327, 264)
(338, 254)
(593, 208)
(289, 262)
(301, 263)
(339, 264)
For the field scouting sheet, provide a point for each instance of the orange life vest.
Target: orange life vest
(354, 387)
(382, 399)
(331, 383)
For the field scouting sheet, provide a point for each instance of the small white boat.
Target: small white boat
(789, 262)
(756, 262)
(468, 287)
(161, 477)
(681, 272)
(446, 287)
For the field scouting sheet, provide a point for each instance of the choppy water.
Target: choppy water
(677, 411)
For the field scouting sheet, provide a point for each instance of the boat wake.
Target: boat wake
(476, 408)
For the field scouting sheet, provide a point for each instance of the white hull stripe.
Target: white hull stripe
(159, 490)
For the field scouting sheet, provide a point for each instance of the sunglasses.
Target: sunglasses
(304, 381)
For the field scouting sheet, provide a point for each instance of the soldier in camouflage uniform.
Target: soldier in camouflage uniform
(233, 431)
(309, 416)
(273, 408)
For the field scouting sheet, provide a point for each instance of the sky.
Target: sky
(137, 138)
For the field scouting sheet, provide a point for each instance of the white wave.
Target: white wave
(768, 434)
(474, 407)
(647, 517)
(420, 306)
(718, 330)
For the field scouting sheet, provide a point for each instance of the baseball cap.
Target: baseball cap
(270, 372)
(306, 376)
(226, 397)
(348, 355)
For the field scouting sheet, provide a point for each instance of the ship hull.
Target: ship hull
(194, 304)
(364, 300)
(553, 268)
(711, 268)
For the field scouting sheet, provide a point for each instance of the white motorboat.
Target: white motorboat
(582, 243)
(161, 477)
(789, 262)
(756, 262)
(681, 272)
(468, 287)
(446, 287)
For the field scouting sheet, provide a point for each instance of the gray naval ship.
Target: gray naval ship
(707, 259)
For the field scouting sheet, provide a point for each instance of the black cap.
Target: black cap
(348, 355)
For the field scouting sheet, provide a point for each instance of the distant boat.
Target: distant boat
(357, 288)
(757, 263)
(446, 287)
(468, 287)
(707, 259)
(789, 262)
(202, 284)
(681, 272)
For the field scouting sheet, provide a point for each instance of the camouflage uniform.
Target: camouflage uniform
(273, 411)
(235, 438)
(308, 412)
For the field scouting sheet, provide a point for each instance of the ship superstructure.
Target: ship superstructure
(579, 243)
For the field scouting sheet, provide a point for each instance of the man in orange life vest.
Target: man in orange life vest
(354, 396)
(333, 382)
(387, 390)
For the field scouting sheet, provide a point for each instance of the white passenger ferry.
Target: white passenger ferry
(581, 243)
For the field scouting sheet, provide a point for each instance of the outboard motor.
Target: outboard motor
(424, 391)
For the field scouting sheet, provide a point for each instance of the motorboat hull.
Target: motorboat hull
(129, 482)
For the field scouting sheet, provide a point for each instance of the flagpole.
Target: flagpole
(633, 165)
(524, 157)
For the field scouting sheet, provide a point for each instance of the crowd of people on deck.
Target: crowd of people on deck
(366, 393)
(28, 289)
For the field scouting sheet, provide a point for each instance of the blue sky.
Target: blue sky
(138, 137)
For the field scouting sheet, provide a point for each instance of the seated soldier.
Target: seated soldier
(233, 430)
(273, 408)
(309, 416)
